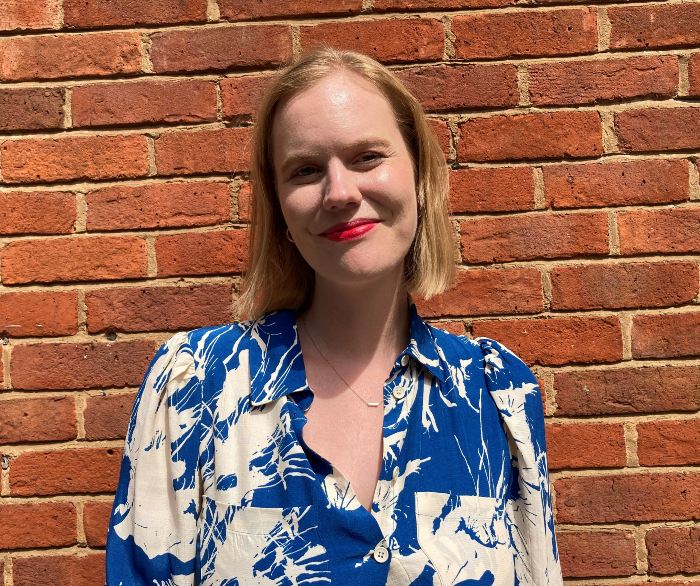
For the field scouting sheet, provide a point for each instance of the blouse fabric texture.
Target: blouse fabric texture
(217, 486)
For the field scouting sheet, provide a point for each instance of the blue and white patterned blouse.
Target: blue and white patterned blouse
(218, 488)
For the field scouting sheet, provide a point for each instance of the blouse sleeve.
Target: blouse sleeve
(516, 393)
(153, 528)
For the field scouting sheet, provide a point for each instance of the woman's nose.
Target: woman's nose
(341, 188)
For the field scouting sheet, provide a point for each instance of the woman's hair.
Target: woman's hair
(277, 276)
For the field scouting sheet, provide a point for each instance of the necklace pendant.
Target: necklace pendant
(372, 404)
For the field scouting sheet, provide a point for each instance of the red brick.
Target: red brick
(245, 10)
(616, 184)
(37, 212)
(556, 341)
(628, 285)
(694, 74)
(164, 205)
(80, 366)
(586, 445)
(411, 5)
(245, 194)
(454, 327)
(65, 472)
(221, 48)
(504, 189)
(627, 390)
(534, 236)
(552, 135)
(654, 26)
(442, 134)
(37, 420)
(632, 497)
(83, 158)
(668, 443)
(86, 13)
(670, 230)
(666, 336)
(595, 81)
(20, 14)
(96, 522)
(32, 525)
(144, 102)
(207, 253)
(31, 108)
(58, 260)
(158, 308)
(664, 129)
(60, 570)
(241, 96)
(487, 292)
(584, 554)
(459, 87)
(389, 41)
(39, 314)
(533, 33)
(672, 550)
(107, 417)
(205, 151)
(55, 56)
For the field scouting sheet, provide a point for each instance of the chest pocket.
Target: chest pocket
(465, 538)
(255, 545)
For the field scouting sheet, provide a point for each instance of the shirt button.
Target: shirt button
(404, 360)
(381, 554)
(399, 393)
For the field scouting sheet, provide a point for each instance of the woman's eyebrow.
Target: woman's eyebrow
(300, 155)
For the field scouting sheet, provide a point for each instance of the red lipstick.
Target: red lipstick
(345, 231)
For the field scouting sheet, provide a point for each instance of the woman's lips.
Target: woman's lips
(350, 233)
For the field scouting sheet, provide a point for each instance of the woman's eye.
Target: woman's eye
(304, 172)
(369, 158)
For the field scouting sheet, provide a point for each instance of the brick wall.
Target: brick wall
(573, 132)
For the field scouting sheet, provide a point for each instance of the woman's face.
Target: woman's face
(345, 180)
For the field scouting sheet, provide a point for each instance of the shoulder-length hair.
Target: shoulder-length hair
(277, 275)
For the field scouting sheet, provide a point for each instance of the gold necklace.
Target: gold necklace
(336, 372)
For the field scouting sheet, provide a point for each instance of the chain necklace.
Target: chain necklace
(333, 367)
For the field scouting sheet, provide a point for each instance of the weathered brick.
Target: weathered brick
(39, 314)
(670, 230)
(73, 259)
(666, 336)
(32, 525)
(207, 253)
(144, 102)
(533, 33)
(20, 14)
(501, 189)
(534, 236)
(626, 285)
(55, 56)
(628, 497)
(37, 420)
(96, 522)
(163, 205)
(87, 13)
(460, 87)
(668, 443)
(586, 445)
(37, 212)
(224, 150)
(63, 159)
(411, 5)
(485, 292)
(389, 41)
(662, 129)
(551, 135)
(556, 341)
(442, 134)
(221, 48)
(31, 108)
(454, 327)
(594, 81)
(241, 96)
(157, 308)
(616, 184)
(80, 366)
(244, 10)
(584, 554)
(65, 471)
(627, 390)
(60, 570)
(107, 417)
(673, 550)
(654, 26)
(245, 193)
(694, 74)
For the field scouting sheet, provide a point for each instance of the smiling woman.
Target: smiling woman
(334, 437)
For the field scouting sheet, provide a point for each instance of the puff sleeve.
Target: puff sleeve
(529, 517)
(152, 536)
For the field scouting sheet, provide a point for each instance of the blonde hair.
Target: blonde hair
(277, 276)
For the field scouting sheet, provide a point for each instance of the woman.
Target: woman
(335, 437)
